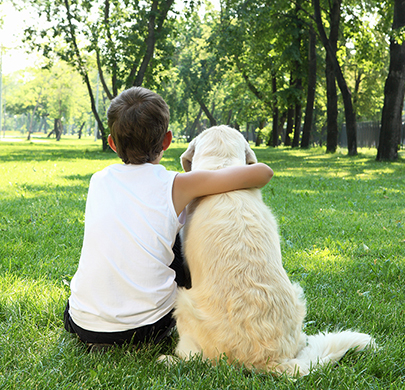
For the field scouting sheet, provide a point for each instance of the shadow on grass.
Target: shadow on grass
(51, 152)
(317, 161)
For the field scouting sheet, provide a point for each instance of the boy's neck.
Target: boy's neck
(157, 160)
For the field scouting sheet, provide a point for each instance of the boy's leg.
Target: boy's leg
(156, 333)
(67, 321)
(183, 277)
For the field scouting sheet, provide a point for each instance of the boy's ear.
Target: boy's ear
(111, 143)
(167, 140)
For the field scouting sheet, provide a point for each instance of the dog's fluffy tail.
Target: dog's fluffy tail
(325, 348)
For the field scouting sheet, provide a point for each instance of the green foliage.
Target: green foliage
(117, 32)
(342, 235)
(365, 60)
(54, 93)
(221, 62)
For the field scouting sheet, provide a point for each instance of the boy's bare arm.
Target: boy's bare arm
(191, 185)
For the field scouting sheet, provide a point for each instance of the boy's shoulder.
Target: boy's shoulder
(131, 170)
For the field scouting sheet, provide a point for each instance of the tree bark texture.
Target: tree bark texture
(207, 112)
(309, 109)
(332, 130)
(346, 94)
(156, 20)
(394, 90)
(275, 112)
(83, 72)
(191, 132)
(290, 126)
(297, 125)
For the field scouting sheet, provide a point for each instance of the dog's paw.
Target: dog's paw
(167, 360)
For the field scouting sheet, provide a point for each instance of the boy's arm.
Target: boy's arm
(190, 185)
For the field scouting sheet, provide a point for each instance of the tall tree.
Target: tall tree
(332, 131)
(394, 91)
(128, 38)
(351, 127)
(268, 55)
(309, 110)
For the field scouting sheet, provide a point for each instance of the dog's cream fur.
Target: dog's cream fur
(242, 303)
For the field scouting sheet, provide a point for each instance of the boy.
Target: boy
(125, 285)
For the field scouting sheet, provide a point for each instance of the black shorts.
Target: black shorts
(154, 333)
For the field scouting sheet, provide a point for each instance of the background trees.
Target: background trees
(270, 68)
(49, 99)
(394, 91)
(129, 40)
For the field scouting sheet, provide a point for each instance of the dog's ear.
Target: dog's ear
(250, 155)
(187, 157)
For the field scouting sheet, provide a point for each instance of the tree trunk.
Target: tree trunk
(81, 130)
(298, 105)
(290, 126)
(113, 68)
(259, 133)
(33, 115)
(207, 112)
(275, 113)
(297, 125)
(84, 74)
(59, 129)
(309, 110)
(391, 120)
(228, 121)
(332, 130)
(346, 94)
(281, 120)
(150, 41)
(190, 134)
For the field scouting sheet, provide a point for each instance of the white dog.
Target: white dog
(242, 303)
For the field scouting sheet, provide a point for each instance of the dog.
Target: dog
(242, 303)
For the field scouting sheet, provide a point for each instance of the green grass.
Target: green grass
(342, 228)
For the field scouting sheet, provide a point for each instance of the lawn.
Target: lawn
(342, 228)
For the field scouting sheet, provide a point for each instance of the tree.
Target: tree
(127, 39)
(55, 93)
(366, 64)
(267, 55)
(309, 110)
(391, 120)
(351, 127)
(198, 68)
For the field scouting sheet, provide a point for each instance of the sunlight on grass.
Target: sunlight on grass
(33, 300)
(342, 228)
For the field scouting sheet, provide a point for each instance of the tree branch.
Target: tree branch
(150, 41)
(82, 70)
(114, 64)
(251, 87)
(101, 74)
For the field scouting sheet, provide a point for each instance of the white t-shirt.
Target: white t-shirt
(123, 280)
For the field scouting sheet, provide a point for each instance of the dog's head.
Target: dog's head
(217, 147)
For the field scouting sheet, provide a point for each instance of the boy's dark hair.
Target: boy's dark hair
(138, 120)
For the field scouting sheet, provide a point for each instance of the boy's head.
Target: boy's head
(138, 120)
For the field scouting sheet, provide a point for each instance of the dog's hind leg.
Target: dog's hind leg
(187, 347)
